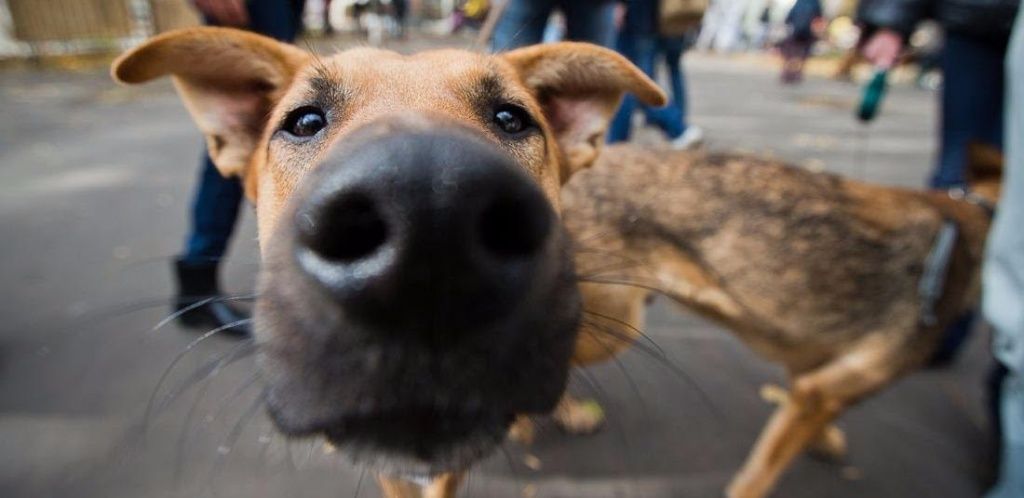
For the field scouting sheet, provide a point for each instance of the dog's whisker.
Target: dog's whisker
(665, 362)
(630, 327)
(511, 464)
(214, 299)
(227, 446)
(359, 483)
(611, 268)
(594, 385)
(249, 382)
(179, 461)
(118, 310)
(628, 283)
(184, 352)
(621, 367)
(190, 416)
(239, 352)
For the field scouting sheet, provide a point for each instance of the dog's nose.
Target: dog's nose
(428, 233)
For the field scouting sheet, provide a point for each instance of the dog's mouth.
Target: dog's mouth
(419, 440)
(405, 439)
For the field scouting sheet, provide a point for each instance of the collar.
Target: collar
(965, 195)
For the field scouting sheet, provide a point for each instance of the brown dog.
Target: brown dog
(417, 291)
(842, 282)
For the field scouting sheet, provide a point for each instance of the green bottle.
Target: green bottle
(872, 97)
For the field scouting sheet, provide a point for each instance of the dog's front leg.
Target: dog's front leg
(817, 398)
(442, 486)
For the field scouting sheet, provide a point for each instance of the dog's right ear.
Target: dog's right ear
(229, 80)
(579, 87)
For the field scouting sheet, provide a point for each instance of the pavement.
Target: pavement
(94, 188)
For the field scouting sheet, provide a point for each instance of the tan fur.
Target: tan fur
(811, 270)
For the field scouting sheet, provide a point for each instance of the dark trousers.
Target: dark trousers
(972, 110)
(216, 201)
(972, 103)
(523, 22)
(643, 50)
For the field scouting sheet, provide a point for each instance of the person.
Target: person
(217, 199)
(1003, 280)
(640, 43)
(523, 22)
(796, 48)
(977, 34)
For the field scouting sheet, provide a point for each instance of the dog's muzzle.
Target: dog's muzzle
(421, 298)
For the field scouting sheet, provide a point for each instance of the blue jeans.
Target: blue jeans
(972, 103)
(643, 50)
(217, 199)
(972, 110)
(523, 22)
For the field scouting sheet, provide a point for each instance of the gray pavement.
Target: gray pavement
(94, 187)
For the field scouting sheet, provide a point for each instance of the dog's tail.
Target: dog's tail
(985, 171)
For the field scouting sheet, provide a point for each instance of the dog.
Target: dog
(417, 290)
(425, 272)
(848, 285)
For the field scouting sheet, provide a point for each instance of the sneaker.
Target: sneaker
(691, 138)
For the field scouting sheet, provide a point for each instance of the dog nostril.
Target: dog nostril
(350, 228)
(514, 228)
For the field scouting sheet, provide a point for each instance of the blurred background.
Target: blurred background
(101, 395)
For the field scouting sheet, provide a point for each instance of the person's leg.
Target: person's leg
(214, 213)
(669, 118)
(216, 204)
(590, 21)
(630, 46)
(401, 13)
(521, 24)
(972, 110)
(1011, 473)
(279, 19)
(673, 48)
(972, 103)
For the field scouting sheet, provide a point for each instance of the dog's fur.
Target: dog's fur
(816, 272)
(429, 391)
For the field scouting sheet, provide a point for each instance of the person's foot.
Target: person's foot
(200, 305)
(691, 138)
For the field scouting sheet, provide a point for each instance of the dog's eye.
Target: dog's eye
(512, 119)
(305, 121)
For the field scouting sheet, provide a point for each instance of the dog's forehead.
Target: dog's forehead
(432, 76)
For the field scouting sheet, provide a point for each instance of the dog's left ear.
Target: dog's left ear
(229, 80)
(579, 87)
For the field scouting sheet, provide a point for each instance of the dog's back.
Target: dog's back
(799, 263)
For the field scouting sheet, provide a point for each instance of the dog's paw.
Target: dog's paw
(830, 445)
(579, 417)
(522, 431)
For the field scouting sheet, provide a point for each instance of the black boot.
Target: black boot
(198, 283)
